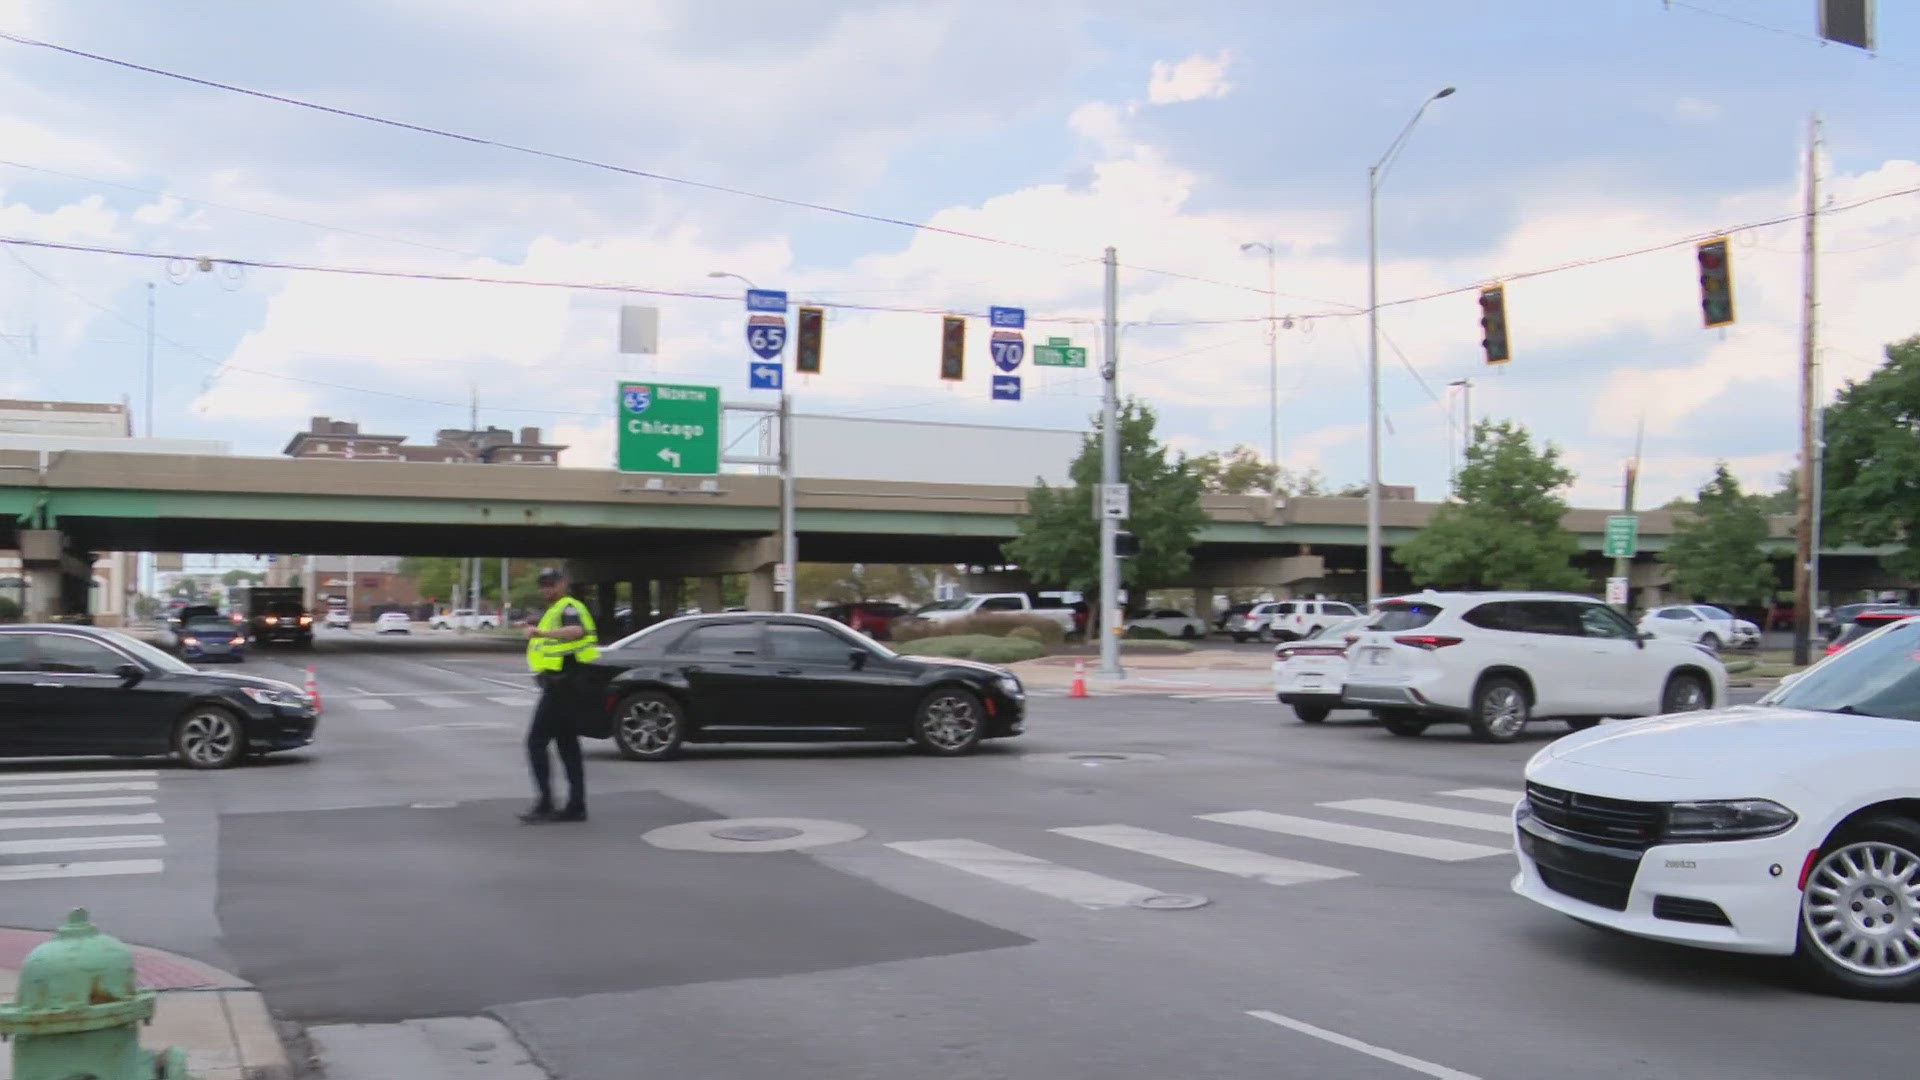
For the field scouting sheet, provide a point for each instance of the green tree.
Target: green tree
(842, 583)
(1871, 487)
(1059, 539)
(1504, 530)
(432, 575)
(1242, 471)
(1785, 500)
(1716, 548)
(241, 577)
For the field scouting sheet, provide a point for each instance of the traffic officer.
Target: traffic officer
(557, 645)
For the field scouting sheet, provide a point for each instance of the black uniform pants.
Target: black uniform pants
(555, 720)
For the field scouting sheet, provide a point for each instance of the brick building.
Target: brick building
(329, 438)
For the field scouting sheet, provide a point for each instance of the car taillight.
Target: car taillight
(1833, 647)
(305, 619)
(1280, 654)
(1429, 642)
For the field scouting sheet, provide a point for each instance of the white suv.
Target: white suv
(1296, 619)
(1499, 660)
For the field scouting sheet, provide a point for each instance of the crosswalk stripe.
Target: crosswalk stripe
(1424, 847)
(108, 774)
(67, 789)
(79, 843)
(520, 702)
(369, 704)
(1503, 796)
(1437, 815)
(100, 868)
(1026, 872)
(1206, 855)
(75, 804)
(439, 702)
(79, 821)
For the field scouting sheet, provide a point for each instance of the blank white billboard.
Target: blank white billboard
(858, 448)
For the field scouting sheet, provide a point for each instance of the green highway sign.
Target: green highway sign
(1053, 355)
(669, 429)
(1623, 537)
(1059, 341)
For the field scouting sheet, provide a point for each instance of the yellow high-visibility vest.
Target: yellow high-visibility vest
(549, 654)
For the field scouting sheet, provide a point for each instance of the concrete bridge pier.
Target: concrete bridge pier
(59, 579)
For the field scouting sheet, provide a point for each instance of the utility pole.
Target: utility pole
(789, 544)
(1108, 619)
(1273, 371)
(1465, 386)
(1623, 564)
(1805, 554)
(149, 359)
(504, 579)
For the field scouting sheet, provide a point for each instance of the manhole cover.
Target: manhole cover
(757, 832)
(1095, 757)
(1170, 902)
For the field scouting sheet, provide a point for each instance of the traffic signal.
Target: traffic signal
(1716, 283)
(953, 347)
(1126, 545)
(1493, 324)
(806, 347)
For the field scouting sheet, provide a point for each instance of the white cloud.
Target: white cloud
(1192, 79)
(1693, 110)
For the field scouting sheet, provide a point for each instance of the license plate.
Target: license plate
(1376, 657)
(1310, 681)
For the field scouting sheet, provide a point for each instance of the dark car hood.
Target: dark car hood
(970, 665)
(230, 679)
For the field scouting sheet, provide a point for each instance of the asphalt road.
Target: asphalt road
(1354, 918)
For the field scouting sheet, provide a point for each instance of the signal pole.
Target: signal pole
(1805, 579)
(1108, 619)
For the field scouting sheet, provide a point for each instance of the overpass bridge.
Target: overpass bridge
(611, 527)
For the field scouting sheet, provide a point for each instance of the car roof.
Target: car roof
(1477, 597)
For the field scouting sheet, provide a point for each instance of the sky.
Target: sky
(1046, 130)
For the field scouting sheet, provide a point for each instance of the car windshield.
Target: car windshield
(1714, 612)
(210, 626)
(1339, 629)
(1404, 615)
(153, 657)
(941, 605)
(1878, 675)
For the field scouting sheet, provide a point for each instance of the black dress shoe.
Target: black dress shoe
(537, 815)
(572, 813)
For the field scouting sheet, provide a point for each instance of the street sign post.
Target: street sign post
(1623, 536)
(665, 428)
(1006, 388)
(766, 335)
(1008, 349)
(767, 300)
(1115, 501)
(1616, 592)
(766, 376)
(1054, 354)
(1007, 318)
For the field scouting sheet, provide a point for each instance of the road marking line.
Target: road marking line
(1503, 796)
(102, 868)
(109, 774)
(1206, 855)
(370, 704)
(64, 789)
(79, 821)
(438, 693)
(520, 702)
(75, 804)
(1424, 847)
(1428, 1068)
(1437, 815)
(1026, 872)
(78, 843)
(439, 702)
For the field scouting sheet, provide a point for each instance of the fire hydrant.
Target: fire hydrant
(77, 1013)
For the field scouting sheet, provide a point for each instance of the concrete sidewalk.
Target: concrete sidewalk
(1161, 673)
(218, 1018)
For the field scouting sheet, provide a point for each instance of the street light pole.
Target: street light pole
(1375, 173)
(789, 543)
(1108, 619)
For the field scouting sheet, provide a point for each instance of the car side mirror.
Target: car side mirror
(858, 658)
(130, 674)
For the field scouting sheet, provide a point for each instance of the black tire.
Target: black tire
(649, 725)
(1285, 635)
(1685, 692)
(209, 737)
(1501, 709)
(1711, 641)
(1188, 633)
(1845, 912)
(1581, 723)
(949, 722)
(1239, 639)
(1312, 714)
(1404, 724)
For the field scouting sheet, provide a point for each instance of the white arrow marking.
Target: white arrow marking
(671, 457)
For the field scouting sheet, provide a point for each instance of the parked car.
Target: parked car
(392, 622)
(1224, 618)
(339, 619)
(1308, 674)
(464, 619)
(1295, 619)
(1175, 624)
(215, 638)
(1256, 621)
(760, 677)
(184, 615)
(80, 691)
(1713, 627)
(1839, 620)
(1866, 622)
(873, 618)
(1783, 828)
(945, 611)
(1496, 661)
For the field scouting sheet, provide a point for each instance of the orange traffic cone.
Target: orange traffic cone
(313, 688)
(1079, 679)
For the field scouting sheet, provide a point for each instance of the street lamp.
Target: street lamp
(1465, 386)
(1375, 173)
(1273, 363)
(789, 546)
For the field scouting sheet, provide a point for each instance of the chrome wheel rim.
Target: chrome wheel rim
(1504, 710)
(208, 738)
(1859, 909)
(1688, 697)
(949, 722)
(648, 727)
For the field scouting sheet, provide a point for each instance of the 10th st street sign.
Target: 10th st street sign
(669, 429)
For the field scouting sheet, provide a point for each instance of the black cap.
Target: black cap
(552, 576)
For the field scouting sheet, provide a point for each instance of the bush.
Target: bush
(983, 647)
(1163, 647)
(1009, 650)
(1147, 633)
(1044, 629)
(1026, 633)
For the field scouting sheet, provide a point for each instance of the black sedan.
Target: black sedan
(756, 677)
(80, 691)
